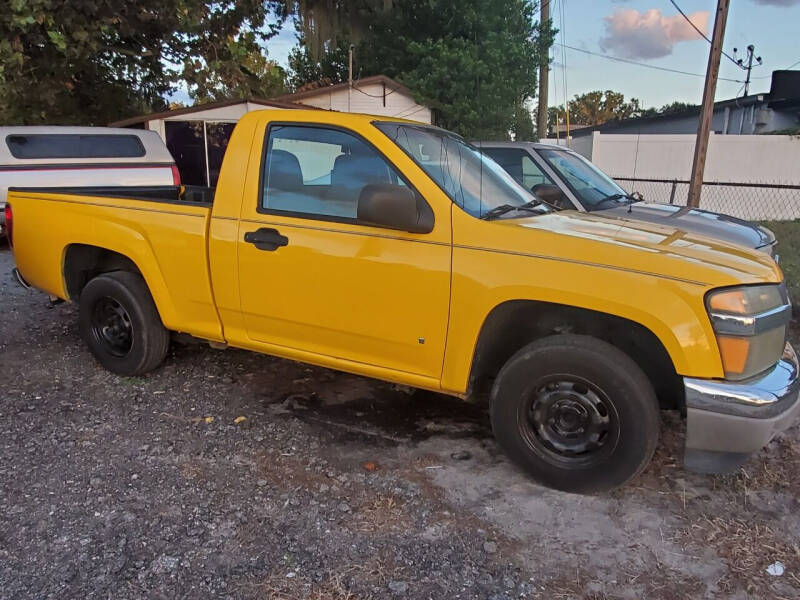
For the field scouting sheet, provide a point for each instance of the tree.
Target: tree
(328, 66)
(677, 107)
(523, 127)
(95, 61)
(595, 108)
(324, 24)
(473, 61)
(244, 72)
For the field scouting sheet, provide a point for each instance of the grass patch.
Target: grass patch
(788, 234)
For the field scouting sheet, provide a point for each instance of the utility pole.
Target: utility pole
(350, 77)
(544, 72)
(707, 111)
(750, 55)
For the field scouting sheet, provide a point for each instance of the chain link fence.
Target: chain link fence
(750, 201)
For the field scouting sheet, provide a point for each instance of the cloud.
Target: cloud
(778, 2)
(633, 34)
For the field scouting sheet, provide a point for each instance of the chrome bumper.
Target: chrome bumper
(727, 421)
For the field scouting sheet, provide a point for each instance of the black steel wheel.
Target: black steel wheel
(119, 322)
(570, 421)
(111, 326)
(576, 412)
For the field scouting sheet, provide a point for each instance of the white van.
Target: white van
(81, 156)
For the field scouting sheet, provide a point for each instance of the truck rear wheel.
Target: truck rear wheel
(119, 322)
(575, 412)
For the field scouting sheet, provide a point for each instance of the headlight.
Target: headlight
(750, 325)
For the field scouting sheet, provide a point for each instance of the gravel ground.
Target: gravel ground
(227, 474)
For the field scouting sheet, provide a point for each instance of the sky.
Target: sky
(654, 33)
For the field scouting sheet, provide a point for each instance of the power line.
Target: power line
(404, 114)
(794, 64)
(705, 37)
(641, 64)
(373, 95)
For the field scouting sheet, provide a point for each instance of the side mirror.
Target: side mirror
(550, 194)
(394, 207)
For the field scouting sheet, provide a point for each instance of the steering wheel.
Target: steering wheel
(555, 204)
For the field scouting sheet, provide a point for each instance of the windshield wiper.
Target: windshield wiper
(631, 198)
(498, 211)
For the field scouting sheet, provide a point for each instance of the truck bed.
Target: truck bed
(192, 195)
(161, 229)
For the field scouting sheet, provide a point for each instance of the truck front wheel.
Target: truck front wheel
(575, 412)
(119, 322)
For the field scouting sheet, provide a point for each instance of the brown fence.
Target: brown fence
(751, 201)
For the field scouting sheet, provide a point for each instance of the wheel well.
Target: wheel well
(83, 262)
(514, 324)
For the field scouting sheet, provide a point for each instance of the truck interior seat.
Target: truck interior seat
(284, 171)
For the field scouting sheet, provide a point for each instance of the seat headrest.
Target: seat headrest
(358, 170)
(284, 171)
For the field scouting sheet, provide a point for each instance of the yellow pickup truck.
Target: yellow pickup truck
(395, 250)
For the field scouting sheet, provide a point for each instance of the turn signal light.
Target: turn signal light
(734, 352)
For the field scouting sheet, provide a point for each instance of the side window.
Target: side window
(73, 145)
(518, 163)
(319, 171)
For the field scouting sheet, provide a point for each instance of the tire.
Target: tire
(576, 413)
(119, 322)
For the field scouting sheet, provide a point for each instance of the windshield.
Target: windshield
(473, 181)
(586, 181)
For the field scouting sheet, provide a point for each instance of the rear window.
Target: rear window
(74, 145)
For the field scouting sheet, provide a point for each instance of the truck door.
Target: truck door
(315, 279)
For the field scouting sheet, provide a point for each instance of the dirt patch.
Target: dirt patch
(745, 545)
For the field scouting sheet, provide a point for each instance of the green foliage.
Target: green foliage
(522, 126)
(473, 61)
(596, 108)
(241, 70)
(327, 67)
(94, 61)
(788, 235)
(323, 25)
(677, 107)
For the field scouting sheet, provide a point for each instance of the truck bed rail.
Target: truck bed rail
(193, 195)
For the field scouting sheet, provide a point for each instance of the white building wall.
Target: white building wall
(370, 99)
(735, 159)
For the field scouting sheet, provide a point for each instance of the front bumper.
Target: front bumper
(727, 421)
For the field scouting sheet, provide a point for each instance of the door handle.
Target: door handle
(266, 239)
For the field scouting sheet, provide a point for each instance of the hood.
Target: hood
(640, 246)
(695, 220)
